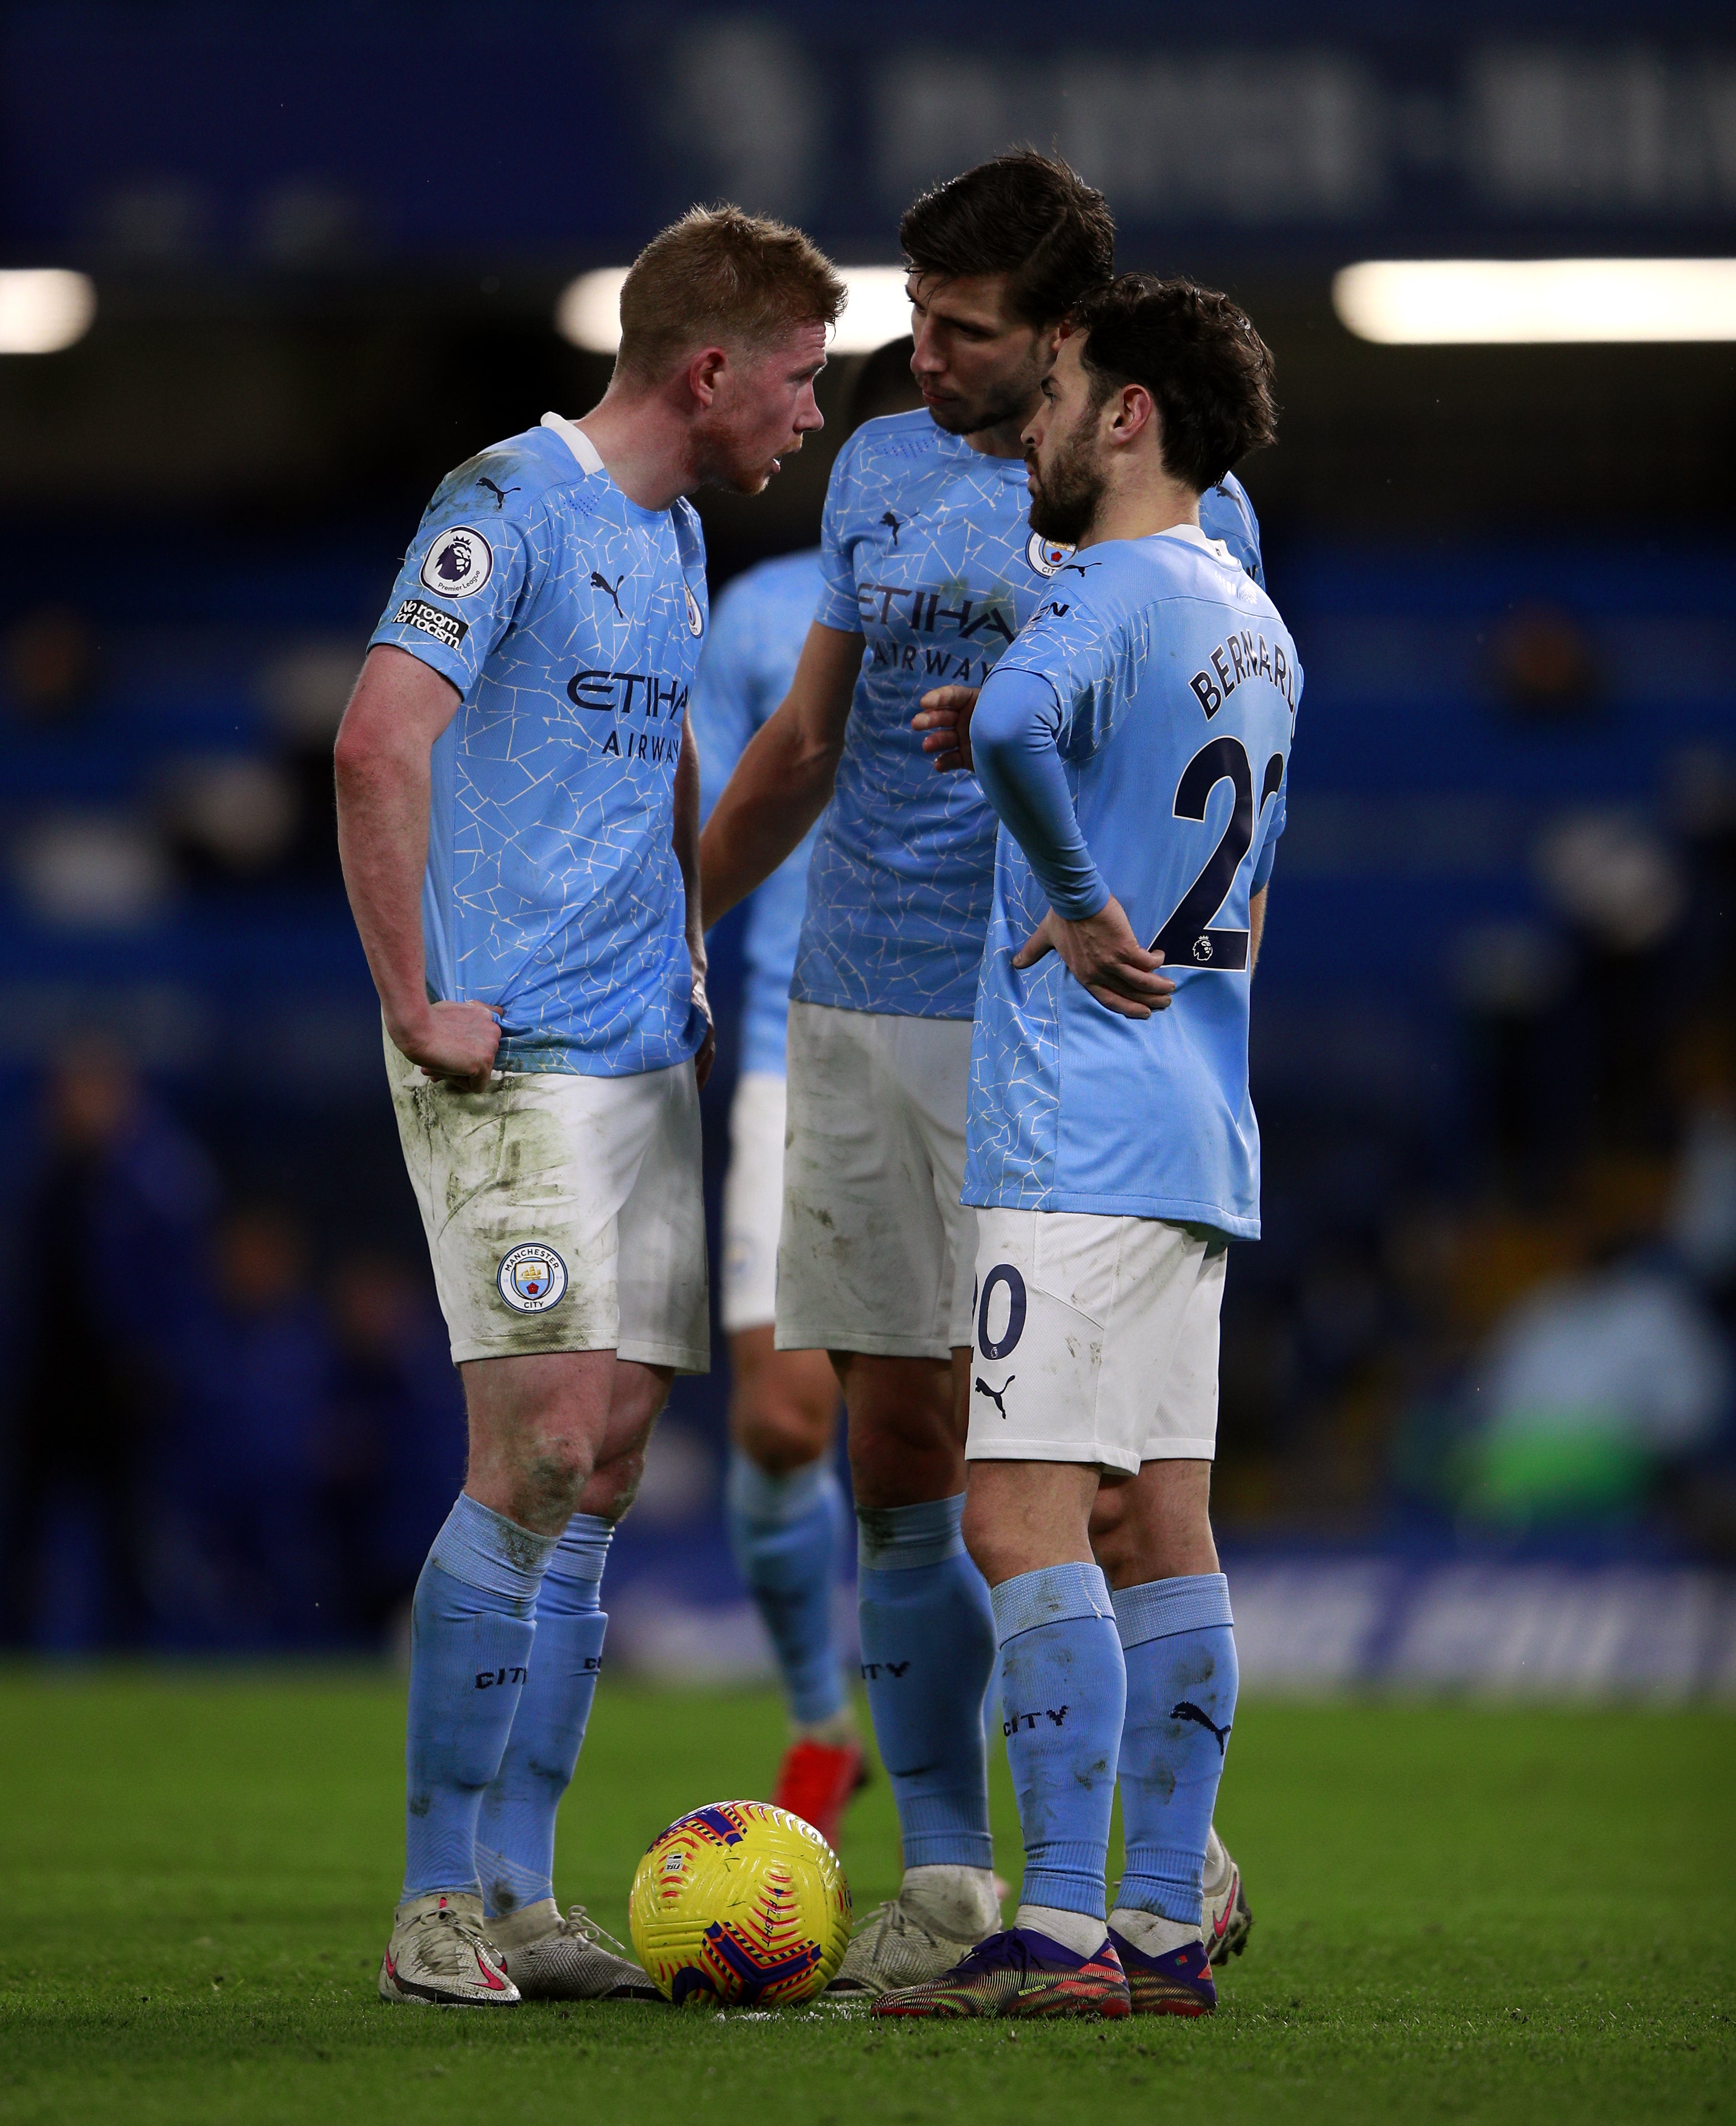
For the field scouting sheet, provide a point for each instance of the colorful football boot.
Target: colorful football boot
(1177, 1983)
(1019, 1973)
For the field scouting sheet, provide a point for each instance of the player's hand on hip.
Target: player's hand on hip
(945, 719)
(454, 1041)
(707, 1051)
(1103, 954)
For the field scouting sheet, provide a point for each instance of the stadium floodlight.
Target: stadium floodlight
(876, 309)
(1462, 302)
(43, 309)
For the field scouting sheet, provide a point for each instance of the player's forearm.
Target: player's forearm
(781, 785)
(383, 841)
(1013, 740)
(684, 834)
(1256, 926)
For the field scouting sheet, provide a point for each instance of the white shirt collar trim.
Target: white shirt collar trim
(576, 440)
(1195, 537)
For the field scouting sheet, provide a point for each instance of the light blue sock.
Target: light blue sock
(1063, 1693)
(515, 1833)
(1179, 1645)
(927, 1656)
(784, 1531)
(471, 1626)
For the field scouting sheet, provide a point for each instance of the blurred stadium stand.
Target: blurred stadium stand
(1478, 1406)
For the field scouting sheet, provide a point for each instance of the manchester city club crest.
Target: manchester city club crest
(695, 619)
(531, 1277)
(459, 563)
(1046, 555)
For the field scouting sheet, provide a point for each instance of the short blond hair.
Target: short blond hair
(719, 275)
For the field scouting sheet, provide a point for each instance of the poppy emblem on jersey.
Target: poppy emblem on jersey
(531, 1277)
(459, 563)
(695, 619)
(1047, 555)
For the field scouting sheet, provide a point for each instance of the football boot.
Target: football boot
(1227, 1922)
(440, 1952)
(549, 1956)
(1179, 1983)
(1019, 1973)
(894, 1948)
(817, 1779)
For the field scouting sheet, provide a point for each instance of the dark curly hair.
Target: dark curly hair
(1027, 216)
(1208, 371)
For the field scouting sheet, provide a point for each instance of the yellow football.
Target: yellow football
(740, 1904)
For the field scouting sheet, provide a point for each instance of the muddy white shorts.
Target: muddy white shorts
(876, 1251)
(1097, 1339)
(753, 1202)
(563, 1213)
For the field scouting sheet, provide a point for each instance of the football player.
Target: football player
(1135, 743)
(784, 1504)
(930, 567)
(518, 799)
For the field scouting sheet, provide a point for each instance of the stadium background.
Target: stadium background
(1477, 1388)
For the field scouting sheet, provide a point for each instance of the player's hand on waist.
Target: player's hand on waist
(455, 1041)
(1103, 953)
(945, 718)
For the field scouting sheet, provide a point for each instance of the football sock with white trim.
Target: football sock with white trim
(515, 1832)
(1064, 1694)
(784, 1531)
(1179, 1641)
(927, 1654)
(471, 1627)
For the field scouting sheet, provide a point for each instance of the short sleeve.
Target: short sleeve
(723, 705)
(458, 591)
(839, 605)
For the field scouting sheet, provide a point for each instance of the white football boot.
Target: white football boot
(901, 1943)
(1226, 1922)
(551, 1958)
(440, 1952)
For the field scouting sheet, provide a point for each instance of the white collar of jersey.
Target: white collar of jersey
(1195, 537)
(576, 440)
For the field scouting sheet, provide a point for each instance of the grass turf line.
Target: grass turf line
(1460, 1914)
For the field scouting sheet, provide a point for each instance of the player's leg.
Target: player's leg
(873, 1265)
(663, 1328)
(1153, 1536)
(520, 1188)
(1035, 1450)
(784, 1504)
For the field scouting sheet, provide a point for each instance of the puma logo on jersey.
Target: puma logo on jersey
(995, 1395)
(1187, 1710)
(895, 522)
(499, 493)
(599, 582)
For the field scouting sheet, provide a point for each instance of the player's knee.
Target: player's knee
(614, 1485)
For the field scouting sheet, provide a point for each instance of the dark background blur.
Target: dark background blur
(1495, 1029)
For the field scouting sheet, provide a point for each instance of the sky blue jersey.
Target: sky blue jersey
(571, 621)
(927, 549)
(1137, 735)
(758, 626)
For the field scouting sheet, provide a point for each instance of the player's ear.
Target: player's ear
(705, 375)
(1135, 411)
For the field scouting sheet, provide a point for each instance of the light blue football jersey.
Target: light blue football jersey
(927, 549)
(758, 626)
(1171, 685)
(571, 622)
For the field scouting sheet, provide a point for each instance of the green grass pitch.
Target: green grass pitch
(1460, 1913)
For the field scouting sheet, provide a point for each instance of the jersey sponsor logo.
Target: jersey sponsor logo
(1047, 556)
(445, 627)
(926, 612)
(459, 563)
(695, 618)
(531, 1277)
(613, 693)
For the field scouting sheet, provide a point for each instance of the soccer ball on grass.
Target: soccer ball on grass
(740, 1904)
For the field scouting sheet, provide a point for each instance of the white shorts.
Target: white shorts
(1097, 1339)
(876, 1251)
(563, 1213)
(753, 1202)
